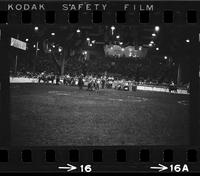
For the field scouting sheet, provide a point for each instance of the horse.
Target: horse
(46, 78)
(172, 88)
(42, 77)
(51, 78)
(93, 85)
(80, 83)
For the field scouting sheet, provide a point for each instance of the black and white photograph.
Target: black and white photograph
(100, 85)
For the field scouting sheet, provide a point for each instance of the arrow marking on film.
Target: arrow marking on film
(69, 167)
(161, 167)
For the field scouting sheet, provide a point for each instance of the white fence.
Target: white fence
(23, 80)
(159, 89)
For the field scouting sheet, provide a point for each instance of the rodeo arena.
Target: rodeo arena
(99, 85)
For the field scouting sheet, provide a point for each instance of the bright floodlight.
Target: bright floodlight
(49, 50)
(53, 46)
(117, 36)
(140, 48)
(113, 27)
(59, 49)
(165, 57)
(52, 33)
(153, 34)
(152, 42)
(93, 41)
(157, 28)
(26, 40)
(157, 49)
(188, 40)
(90, 44)
(121, 43)
(88, 39)
(122, 49)
(36, 28)
(34, 46)
(78, 30)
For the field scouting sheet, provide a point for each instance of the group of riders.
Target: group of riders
(93, 82)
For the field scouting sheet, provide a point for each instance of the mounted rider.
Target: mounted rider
(80, 82)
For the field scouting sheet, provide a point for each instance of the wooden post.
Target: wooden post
(63, 62)
(16, 59)
(179, 74)
(35, 58)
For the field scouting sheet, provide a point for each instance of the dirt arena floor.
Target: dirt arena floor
(49, 115)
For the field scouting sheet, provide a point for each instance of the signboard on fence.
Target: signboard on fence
(18, 44)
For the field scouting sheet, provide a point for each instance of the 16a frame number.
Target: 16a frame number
(179, 168)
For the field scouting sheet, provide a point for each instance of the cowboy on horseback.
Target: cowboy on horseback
(80, 82)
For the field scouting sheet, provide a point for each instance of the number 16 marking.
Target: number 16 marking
(86, 168)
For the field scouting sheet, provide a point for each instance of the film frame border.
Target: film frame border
(121, 155)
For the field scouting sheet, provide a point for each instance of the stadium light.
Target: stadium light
(153, 34)
(90, 44)
(93, 41)
(122, 49)
(36, 28)
(84, 52)
(26, 40)
(121, 43)
(117, 36)
(157, 28)
(59, 49)
(88, 39)
(187, 40)
(165, 57)
(157, 48)
(50, 50)
(53, 34)
(53, 46)
(112, 29)
(34, 46)
(152, 42)
(78, 30)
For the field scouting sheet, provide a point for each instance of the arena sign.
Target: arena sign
(18, 44)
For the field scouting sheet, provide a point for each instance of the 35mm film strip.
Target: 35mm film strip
(100, 159)
(131, 12)
(99, 86)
